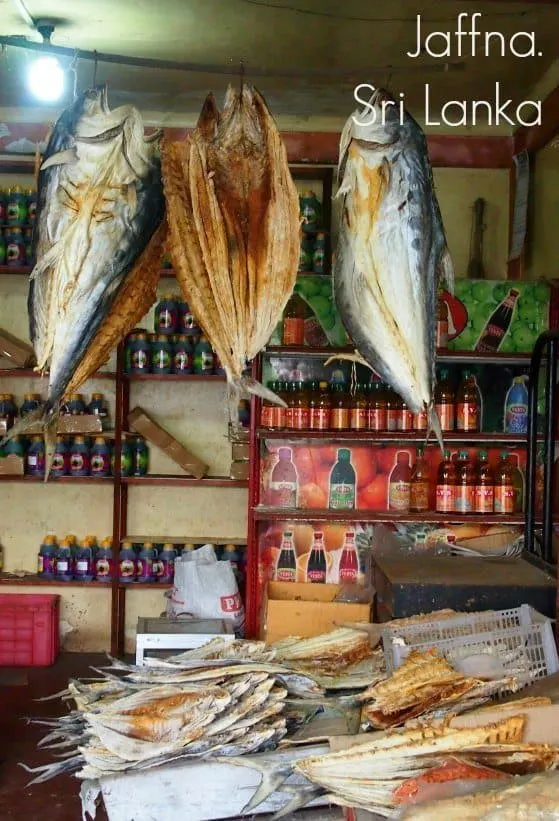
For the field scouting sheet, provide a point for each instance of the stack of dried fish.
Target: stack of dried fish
(97, 242)
(426, 684)
(234, 227)
(371, 775)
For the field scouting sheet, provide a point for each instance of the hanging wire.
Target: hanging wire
(73, 69)
(95, 62)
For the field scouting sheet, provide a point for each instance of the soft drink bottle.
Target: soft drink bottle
(316, 565)
(399, 484)
(464, 500)
(286, 567)
(376, 406)
(504, 486)
(498, 324)
(446, 485)
(444, 401)
(349, 560)
(342, 483)
(419, 487)
(484, 488)
(468, 404)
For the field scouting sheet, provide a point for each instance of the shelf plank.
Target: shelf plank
(61, 480)
(170, 480)
(145, 586)
(443, 356)
(263, 513)
(30, 373)
(174, 377)
(392, 437)
(15, 270)
(32, 580)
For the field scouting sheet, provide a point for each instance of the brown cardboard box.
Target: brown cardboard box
(144, 424)
(301, 609)
(12, 465)
(240, 451)
(18, 354)
(239, 471)
(86, 423)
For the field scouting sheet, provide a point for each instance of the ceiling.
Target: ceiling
(326, 47)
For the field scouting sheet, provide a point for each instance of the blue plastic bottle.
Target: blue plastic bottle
(83, 562)
(63, 562)
(104, 562)
(80, 460)
(166, 564)
(127, 563)
(516, 406)
(46, 560)
(145, 564)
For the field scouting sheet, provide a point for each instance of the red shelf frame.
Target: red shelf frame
(443, 356)
(262, 513)
(391, 437)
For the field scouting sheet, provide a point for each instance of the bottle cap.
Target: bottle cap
(167, 546)
(99, 440)
(446, 454)
(463, 454)
(482, 455)
(148, 545)
(344, 454)
(504, 454)
(126, 545)
(97, 396)
(288, 534)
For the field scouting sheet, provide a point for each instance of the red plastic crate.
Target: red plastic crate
(29, 629)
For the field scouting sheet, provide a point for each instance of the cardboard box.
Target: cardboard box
(144, 425)
(239, 471)
(240, 451)
(12, 465)
(18, 354)
(302, 609)
(86, 423)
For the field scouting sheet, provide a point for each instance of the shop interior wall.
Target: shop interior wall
(542, 257)
(195, 413)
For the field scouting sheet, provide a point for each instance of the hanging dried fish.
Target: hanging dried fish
(234, 228)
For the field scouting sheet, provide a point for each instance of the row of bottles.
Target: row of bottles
(316, 566)
(73, 404)
(180, 354)
(18, 206)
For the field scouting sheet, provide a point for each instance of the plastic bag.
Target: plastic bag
(205, 588)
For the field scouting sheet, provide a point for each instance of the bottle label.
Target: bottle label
(62, 566)
(301, 418)
(464, 499)
(293, 331)
(82, 567)
(339, 419)
(206, 361)
(165, 319)
(102, 568)
(445, 495)
(358, 419)
(139, 360)
(348, 574)
(342, 496)
(392, 419)
(467, 416)
(319, 419)
(278, 416)
(420, 420)
(485, 498)
(399, 496)
(182, 361)
(267, 416)
(100, 463)
(144, 569)
(446, 415)
(504, 499)
(161, 359)
(289, 417)
(419, 496)
(316, 576)
(284, 494)
(376, 419)
(127, 568)
(77, 462)
(165, 569)
(286, 574)
(516, 418)
(405, 421)
(59, 463)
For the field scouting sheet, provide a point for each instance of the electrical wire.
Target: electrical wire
(25, 14)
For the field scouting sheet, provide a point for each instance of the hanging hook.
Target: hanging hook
(73, 69)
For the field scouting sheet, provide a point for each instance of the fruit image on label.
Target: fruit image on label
(444, 499)
(102, 567)
(139, 359)
(77, 461)
(127, 568)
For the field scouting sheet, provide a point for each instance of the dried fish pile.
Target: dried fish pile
(370, 776)
(234, 227)
(425, 685)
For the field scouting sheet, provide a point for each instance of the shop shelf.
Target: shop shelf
(444, 357)
(146, 585)
(15, 270)
(171, 480)
(174, 377)
(32, 580)
(391, 437)
(29, 373)
(264, 513)
(61, 480)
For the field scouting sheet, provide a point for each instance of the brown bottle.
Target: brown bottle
(468, 404)
(444, 401)
(446, 485)
(358, 409)
(504, 486)
(399, 484)
(279, 412)
(464, 500)
(301, 409)
(339, 414)
(519, 483)
(376, 406)
(419, 490)
(267, 412)
(485, 492)
(320, 408)
(290, 397)
(405, 422)
(393, 408)
(294, 322)
(420, 420)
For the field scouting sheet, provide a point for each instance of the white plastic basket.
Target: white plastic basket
(521, 639)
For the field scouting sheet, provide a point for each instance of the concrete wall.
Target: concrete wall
(543, 256)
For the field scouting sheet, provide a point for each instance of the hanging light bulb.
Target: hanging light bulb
(45, 76)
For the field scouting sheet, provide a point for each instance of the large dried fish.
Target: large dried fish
(391, 253)
(234, 228)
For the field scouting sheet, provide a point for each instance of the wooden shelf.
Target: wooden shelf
(167, 480)
(264, 513)
(392, 437)
(443, 356)
(61, 480)
(16, 270)
(174, 377)
(145, 585)
(36, 581)
(30, 373)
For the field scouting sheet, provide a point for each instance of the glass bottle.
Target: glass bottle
(446, 485)
(376, 406)
(405, 422)
(399, 484)
(504, 486)
(468, 404)
(358, 409)
(419, 489)
(349, 560)
(519, 483)
(267, 413)
(320, 408)
(316, 564)
(442, 322)
(484, 488)
(421, 420)
(278, 411)
(283, 481)
(294, 322)
(290, 397)
(301, 410)
(464, 500)
(286, 567)
(393, 408)
(339, 414)
(444, 401)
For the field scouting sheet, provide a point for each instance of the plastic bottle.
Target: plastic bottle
(64, 561)
(393, 408)
(31, 401)
(98, 407)
(484, 487)
(446, 485)
(349, 560)
(203, 357)
(80, 459)
(138, 352)
(35, 457)
(445, 401)
(464, 500)
(294, 322)
(504, 486)
(343, 483)
(316, 564)
(419, 488)
(140, 456)
(468, 404)
(286, 566)
(405, 420)
(103, 564)
(358, 411)
(519, 483)
(127, 563)
(74, 405)
(320, 408)
(283, 481)
(162, 354)
(399, 483)
(145, 563)
(166, 563)
(339, 413)
(300, 409)
(183, 355)
(376, 406)
(46, 560)
(516, 407)
(100, 458)
(83, 562)
(166, 316)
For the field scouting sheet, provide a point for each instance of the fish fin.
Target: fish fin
(434, 426)
(103, 137)
(446, 271)
(301, 797)
(31, 422)
(248, 385)
(272, 778)
(385, 173)
(67, 157)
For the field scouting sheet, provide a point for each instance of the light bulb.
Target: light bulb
(45, 79)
